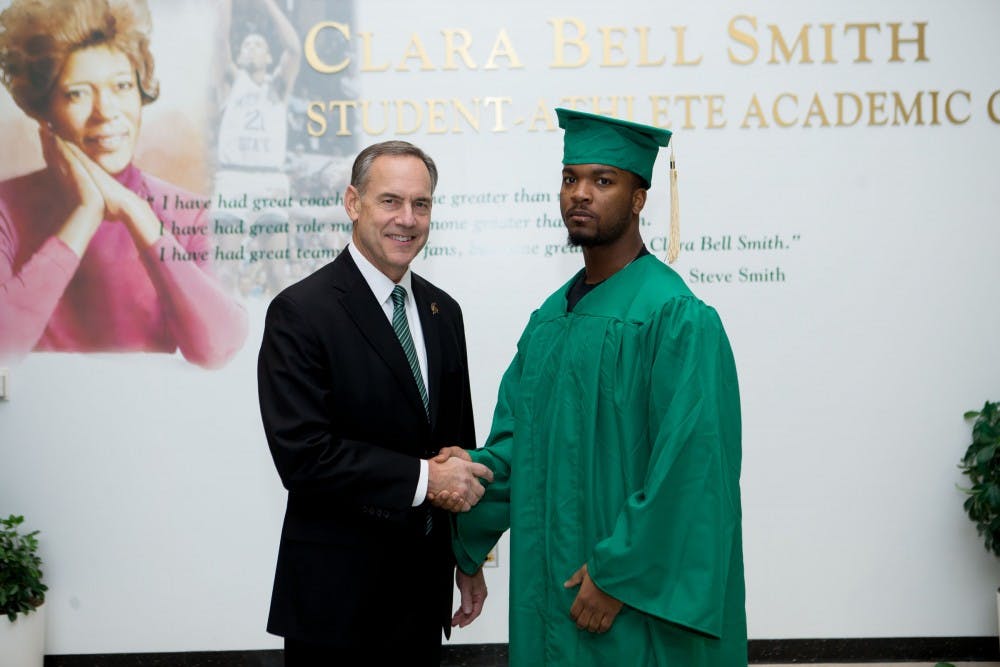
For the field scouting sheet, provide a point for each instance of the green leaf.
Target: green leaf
(987, 453)
(21, 588)
(981, 464)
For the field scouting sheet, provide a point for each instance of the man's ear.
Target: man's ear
(638, 200)
(352, 202)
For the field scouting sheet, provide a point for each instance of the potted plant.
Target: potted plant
(22, 633)
(981, 464)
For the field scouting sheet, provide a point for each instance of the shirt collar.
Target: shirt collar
(379, 283)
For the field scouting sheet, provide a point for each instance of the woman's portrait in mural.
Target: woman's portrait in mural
(97, 255)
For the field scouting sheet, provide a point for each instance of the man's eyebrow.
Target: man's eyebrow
(601, 170)
(395, 195)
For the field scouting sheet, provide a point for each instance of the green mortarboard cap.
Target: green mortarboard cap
(594, 139)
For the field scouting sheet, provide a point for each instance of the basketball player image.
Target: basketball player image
(252, 142)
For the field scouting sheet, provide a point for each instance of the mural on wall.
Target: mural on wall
(96, 253)
(101, 249)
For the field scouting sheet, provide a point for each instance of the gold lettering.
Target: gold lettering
(681, 59)
(473, 121)
(876, 104)
(778, 120)
(462, 49)
(858, 106)
(502, 48)
(366, 124)
(611, 46)
(342, 106)
(993, 107)
(576, 101)
(660, 108)
(418, 115)
(947, 107)
(613, 110)
(435, 117)
(816, 109)
(644, 60)
(366, 60)
(828, 58)
(561, 41)
(498, 103)
(715, 114)
(862, 29)
(309, 47)
(918, 40)
(778, 42)
(316, 127)
(934, 107)
(541, 115)
(687, 99)
(754, 111)
(899, 109)
(415, 49)
(743, 38)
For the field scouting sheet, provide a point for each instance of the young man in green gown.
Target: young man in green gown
(615, 445)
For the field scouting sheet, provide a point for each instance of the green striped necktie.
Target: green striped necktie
(402, 330)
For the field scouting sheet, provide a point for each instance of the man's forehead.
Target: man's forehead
(594, 168)
(399, 162)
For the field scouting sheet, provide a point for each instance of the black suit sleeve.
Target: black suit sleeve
(294, 381)
(467, 429)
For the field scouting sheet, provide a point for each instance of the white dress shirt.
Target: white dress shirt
(381, 286)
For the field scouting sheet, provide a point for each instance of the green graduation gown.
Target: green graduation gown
(616, 443)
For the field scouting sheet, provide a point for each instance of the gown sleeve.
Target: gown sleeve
(477, 531)
(670, 551)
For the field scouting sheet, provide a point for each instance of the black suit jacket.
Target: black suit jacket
(346, 426)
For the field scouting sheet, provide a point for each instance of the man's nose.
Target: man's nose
(580, 192)
(408, 216)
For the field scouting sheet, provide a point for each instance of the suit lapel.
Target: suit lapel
(367, 314)
(430, 323)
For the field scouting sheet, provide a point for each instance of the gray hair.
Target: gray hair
(363, 163)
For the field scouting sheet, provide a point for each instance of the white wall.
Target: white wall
(151, 481)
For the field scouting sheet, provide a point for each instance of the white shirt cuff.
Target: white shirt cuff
(421, 493)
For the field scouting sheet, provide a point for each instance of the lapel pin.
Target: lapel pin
(434, 308)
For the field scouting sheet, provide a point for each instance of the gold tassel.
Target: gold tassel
(674, 247)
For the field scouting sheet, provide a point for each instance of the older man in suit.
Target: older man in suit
(362, 378)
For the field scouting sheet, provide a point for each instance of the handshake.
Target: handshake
(453, 480)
